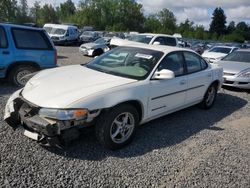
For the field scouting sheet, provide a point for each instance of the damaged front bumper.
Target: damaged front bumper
(19, 112)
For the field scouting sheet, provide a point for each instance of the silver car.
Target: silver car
(237, 69)
(95, 48)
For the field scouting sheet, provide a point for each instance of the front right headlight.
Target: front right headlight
(64, 114)
(245, 73)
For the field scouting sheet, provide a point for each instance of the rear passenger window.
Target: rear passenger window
(193, 62)
(30, 39)
(173, 62)
(3, 39)
(170, 41)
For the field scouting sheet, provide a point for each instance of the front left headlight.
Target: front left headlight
(61, 114)
(245, 73)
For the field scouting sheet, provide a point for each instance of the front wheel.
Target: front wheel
(97, 52)
(116, 128)
(209, 97)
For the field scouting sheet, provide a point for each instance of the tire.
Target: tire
(210, 97)
(16, 74)
(97, 52)
(116, 127)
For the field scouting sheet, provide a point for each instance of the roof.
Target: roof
(19, 26)
(156, 34)
(225, 47)
(162, 48)
(60, 26)
(244, 49)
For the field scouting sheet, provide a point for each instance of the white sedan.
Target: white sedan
(115, 92)
(216, 53)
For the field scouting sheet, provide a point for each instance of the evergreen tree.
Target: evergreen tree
(218, 24)
(35, 12)
(66, 11)
(231, 27)
(22, 16)
(168, 21)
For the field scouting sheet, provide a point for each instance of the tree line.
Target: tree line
(122, 15)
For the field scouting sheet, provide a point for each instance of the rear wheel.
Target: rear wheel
(116, 127)
(18, 73)
(209, 97)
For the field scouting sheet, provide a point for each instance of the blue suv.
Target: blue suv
(24, 50)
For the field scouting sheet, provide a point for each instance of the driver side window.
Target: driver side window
(160, 40)
(173, 62)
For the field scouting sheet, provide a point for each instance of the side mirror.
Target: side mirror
(164, 74)
(156, 43)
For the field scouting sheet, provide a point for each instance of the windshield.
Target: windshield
(100, 41)
(88, 33)
(220, 50)
(58, 31)
(238, 56)
(141, 38)
(129, 62)
(47, 29)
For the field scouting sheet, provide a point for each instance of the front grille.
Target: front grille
(228, 74)
(28, 110)
(243, 83)
(55, 38)
(228, 82)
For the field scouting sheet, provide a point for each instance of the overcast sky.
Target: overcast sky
(199, 11)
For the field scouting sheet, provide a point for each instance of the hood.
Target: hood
(86, 36)
(233, 67)
(90, 45)
(213, 55)
(60, 87)
(56, 35)
(122, 42)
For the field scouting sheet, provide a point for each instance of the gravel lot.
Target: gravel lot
(190, 148)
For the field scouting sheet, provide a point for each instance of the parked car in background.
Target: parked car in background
(236, 68)
(146, 38)
(180, 40)
(87, 28)
(115, 92)
(216, 53)
(115, 34)
(199, 48)
(30, 24)
(88, 36)
(62, 34)
(24, 50)
(95, 48)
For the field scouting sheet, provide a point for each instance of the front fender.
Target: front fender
(110, 98)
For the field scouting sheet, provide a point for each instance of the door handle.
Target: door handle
(183, 82)
(5, 52)
(209, 75)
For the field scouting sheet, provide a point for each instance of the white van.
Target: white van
(62, 34)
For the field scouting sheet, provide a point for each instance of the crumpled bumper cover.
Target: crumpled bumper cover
(18, 113)
(21, 113)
